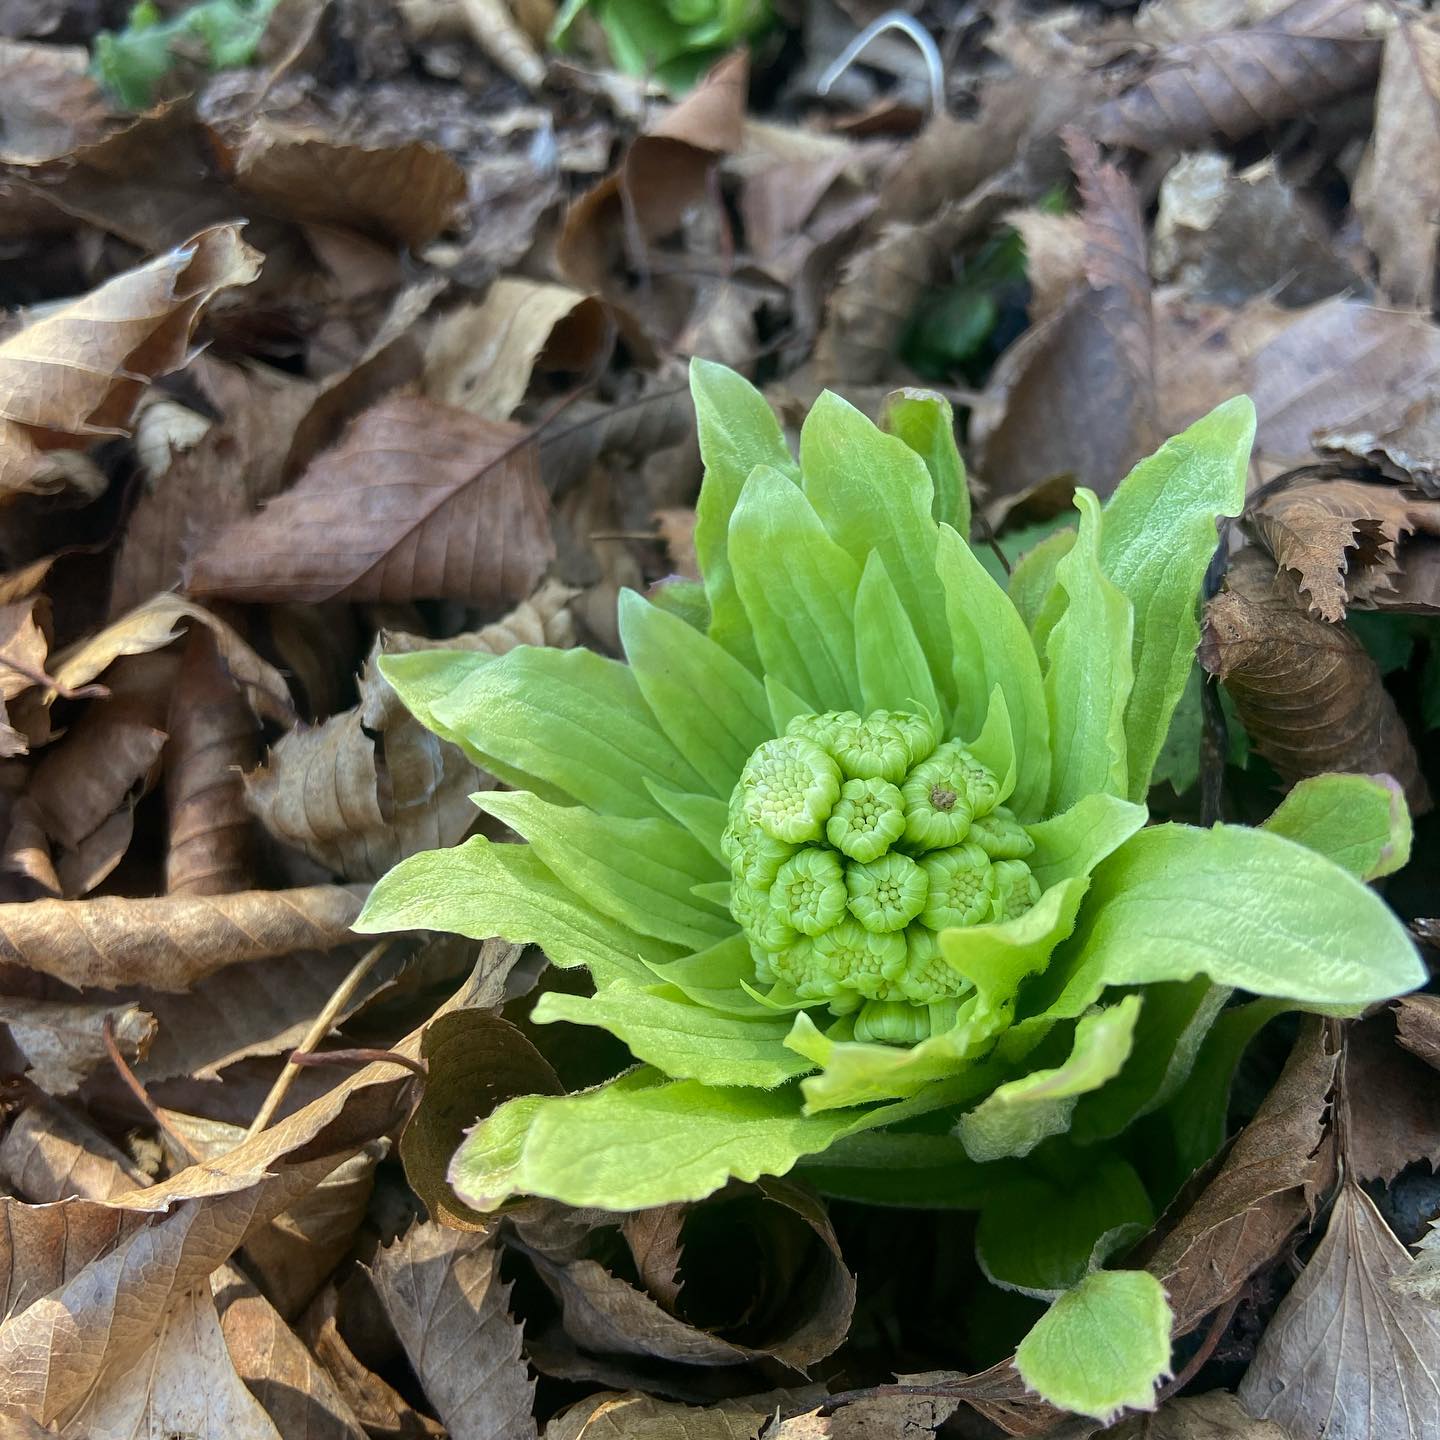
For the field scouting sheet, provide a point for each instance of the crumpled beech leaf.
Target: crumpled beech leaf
(873, 846)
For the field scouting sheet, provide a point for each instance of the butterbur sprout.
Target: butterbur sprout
(859, 865)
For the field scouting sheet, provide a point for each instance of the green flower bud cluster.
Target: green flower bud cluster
(851, 841)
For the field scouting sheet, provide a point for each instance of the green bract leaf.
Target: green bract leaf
(1023, 1112)
(1033, 577)
(711, 707)
(1102, 1346)
(926, 423)
(480, 889)
(737, 431)
(1361, 822)
(875, 496)
(893, 671)
(1247, 908)
(639, 1141)
(569, 719)
(684, 1040)
(716, 977)
(1042, 1236)
(992, 647)
(1087, 675)
(1157, 542)
(802, 612)
(639, 872)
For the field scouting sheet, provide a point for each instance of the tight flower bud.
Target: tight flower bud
(886, 894)
(790, 786)
(868, 820)
(937, 801)
(873, 748)
(963, 887)
(1016, 889)
(892, 1022)
(929, 977)
(1001, 836)
(809, 891)
(822, 729)
(849, 958)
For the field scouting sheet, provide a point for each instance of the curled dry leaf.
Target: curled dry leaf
(50, 104)
(366, 788)
(405, 193)
(481, 357)
(50, 1154)
(1263, 1191)
(418, 500)
(24, 645)
(169, 943)
(1397, 191)
(77, 373)
(1340, 536)
(1347, 1352)
(63, 1041)
(1308, 693)
(543, 619)
(1392, 1102)
(1216, 1416)
(1235, 81)
(443, 1293)
(152, 626)
(629, 1415)
(475, 1061)
(1417, 1023)
(213, 736)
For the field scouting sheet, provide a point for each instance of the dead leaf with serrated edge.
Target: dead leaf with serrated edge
(417, 501)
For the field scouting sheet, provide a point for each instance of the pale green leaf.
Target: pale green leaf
(1248, 908)
(1361, 822)
(684, 1040)
(784, 704)
(640, 1141)
(873, 493)
(704, 816)
(639, 872)
(992, 647)
(926, 423)
(1101, 1347)
(711, 707)
(423, 677)
(1033, 578)
(480, 889)
(1017, 1116)
(1158, 540)
(894, 674)
(716, 977)
(1076, 841)
(1087, 674)
(1043, 1236)
(737, 431)
(572, 719)
(893, 1167)
(994, 746)
(798, 588)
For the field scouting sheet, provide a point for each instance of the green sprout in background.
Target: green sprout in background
(133, 64)
(675, 41)
(860, 867)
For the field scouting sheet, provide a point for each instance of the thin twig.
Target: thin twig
(132, 1083)
(360, 1055)
(317, 1032)
(910, 26)
(1218, 1326)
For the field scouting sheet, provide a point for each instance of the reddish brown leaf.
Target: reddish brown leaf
(1308, 693)
(417, 501)
(1234, 82)
(213, 736)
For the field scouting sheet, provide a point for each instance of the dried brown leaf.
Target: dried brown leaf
(481, 357)
(1417, 1023)
(77, 373)
(154, 625)
(418, 500)
(1075, 396)
(1308, 693)
(655, 1245)
(1216, 1416)
(169, 943)
(63, 1041)
(630, 1415)
(23, 648)
(49, 102)
(213, 736)
(1392, 1102)
(51, 1153)
(659, 417)
(1345, 1352)
(366, 788)
(543, 619)
(1340, 536)
(1397, 191)
(443, 1293)
(292, 1386)
(475, 1061)
(1263, 1191)
(1236, 81)
(405, 193)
